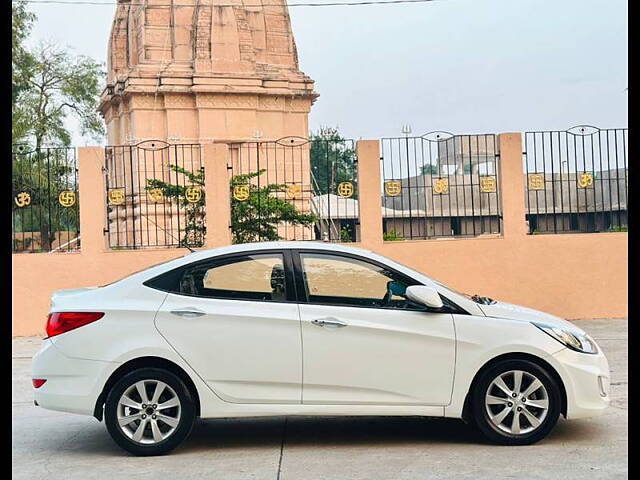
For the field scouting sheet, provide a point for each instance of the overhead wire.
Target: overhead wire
(351, 3)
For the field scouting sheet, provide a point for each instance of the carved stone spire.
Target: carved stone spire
(196, 55)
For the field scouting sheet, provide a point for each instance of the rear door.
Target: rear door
(234, 319)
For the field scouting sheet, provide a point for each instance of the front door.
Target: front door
(235, 321)
(364, 343)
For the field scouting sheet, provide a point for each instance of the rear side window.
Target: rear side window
(250, 277)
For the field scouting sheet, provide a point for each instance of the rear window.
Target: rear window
(240, 277)
(143, 270)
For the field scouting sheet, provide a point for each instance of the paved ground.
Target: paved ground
(56, 445)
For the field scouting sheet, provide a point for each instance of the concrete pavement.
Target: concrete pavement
(55, 445)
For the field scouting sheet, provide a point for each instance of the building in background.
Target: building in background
(191, 74)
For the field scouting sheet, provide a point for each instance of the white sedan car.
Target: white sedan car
(300, 328)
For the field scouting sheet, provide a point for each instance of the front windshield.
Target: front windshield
(474, 298)
(466, 295)
(451, 289)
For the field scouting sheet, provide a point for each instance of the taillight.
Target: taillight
(38, 382)
(61, 322)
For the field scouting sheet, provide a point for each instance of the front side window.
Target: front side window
(337, 280)
(251, 277)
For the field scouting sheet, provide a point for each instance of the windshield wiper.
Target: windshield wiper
(483, 300)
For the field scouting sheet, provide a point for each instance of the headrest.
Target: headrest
(277, 277)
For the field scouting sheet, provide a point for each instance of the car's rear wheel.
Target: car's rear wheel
(516, 402)
(149, 411)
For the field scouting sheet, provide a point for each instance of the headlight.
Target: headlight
(580, 342)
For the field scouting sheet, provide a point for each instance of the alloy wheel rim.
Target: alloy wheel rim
(149, 412)
(516, 402)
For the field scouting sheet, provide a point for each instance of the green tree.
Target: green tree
(257, 218)
(332, 161)
(43, 176)
(254, 219)
(195, 229)
(429, 169)
(48, 85)
(58, 85)
(21, 63)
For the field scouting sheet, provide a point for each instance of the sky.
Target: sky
(462, 66)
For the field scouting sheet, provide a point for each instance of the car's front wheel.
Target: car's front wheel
(516, 402)
(149, 411)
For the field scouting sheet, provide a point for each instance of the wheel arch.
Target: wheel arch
(466, 409)
(142, 362)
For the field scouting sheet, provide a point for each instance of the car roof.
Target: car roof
(199, 255)
(250, 247)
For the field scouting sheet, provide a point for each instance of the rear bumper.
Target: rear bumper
(72, 385)
(586, 379)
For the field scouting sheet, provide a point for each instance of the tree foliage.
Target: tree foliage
(43, 175)
(429, 169)
(255, 219)
(195, 229)
(49, 85)
(59, 85)
(392, 236)
(332, 161)
(21, 62)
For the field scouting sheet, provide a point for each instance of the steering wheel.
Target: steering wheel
(386, 300)
(393, 288)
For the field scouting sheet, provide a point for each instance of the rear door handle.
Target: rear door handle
(329, 322)
(188, 313)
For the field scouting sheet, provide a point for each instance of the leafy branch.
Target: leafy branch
(255, 218)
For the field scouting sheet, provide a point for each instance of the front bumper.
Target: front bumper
(72, 385)
(586, 380)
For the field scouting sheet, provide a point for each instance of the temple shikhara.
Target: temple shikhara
(183, 73)
(195, 71)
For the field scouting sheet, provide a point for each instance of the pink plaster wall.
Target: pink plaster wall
(571, 275)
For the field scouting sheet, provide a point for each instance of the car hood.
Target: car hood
(510, 311)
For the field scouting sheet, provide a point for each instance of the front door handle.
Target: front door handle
(329, 322)
(188, 313)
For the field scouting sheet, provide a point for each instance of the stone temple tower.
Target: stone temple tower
(196, 71)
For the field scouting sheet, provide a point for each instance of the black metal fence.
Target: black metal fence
(45, 213)
(155, 195)
(576, 180)
(294, 189)
(440, 185)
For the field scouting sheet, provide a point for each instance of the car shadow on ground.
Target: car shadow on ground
(328, 431)
(342, 431)
(249, 433)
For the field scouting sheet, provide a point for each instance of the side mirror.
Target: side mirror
(427, 296)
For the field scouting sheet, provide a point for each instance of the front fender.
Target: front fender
(481, 339)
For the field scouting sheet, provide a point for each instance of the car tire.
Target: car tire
(166, 416)
(512, 413)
